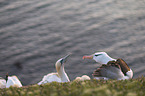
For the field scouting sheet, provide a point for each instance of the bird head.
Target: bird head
(60, 63)
(100, 57)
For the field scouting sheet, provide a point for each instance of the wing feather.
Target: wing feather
(110, 70)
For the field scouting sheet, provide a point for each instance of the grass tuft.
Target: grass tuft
(132, 87)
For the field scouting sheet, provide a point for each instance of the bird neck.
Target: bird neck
(63, 75)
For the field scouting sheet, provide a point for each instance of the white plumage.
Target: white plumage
(82, 78)
(50, 78)
(13, 81)
(2, 83)
(60, 76)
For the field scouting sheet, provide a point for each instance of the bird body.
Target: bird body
(50, 78)
(13, 81)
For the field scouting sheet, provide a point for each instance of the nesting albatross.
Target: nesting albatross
(111, 68)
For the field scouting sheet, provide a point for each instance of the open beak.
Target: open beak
(88, 57)
(65, 58)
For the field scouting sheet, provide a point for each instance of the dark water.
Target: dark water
(35, 33)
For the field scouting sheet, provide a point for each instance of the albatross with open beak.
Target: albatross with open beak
(111, 68)
(60, 76)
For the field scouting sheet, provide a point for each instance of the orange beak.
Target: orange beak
(88, 57)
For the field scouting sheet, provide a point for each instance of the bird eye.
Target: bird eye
(98, 55)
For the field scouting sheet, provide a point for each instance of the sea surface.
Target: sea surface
(34, 34)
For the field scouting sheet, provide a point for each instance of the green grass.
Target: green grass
(132, 87)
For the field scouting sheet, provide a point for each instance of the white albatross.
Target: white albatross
(12, 81)
(60, 76)
(111, 68)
